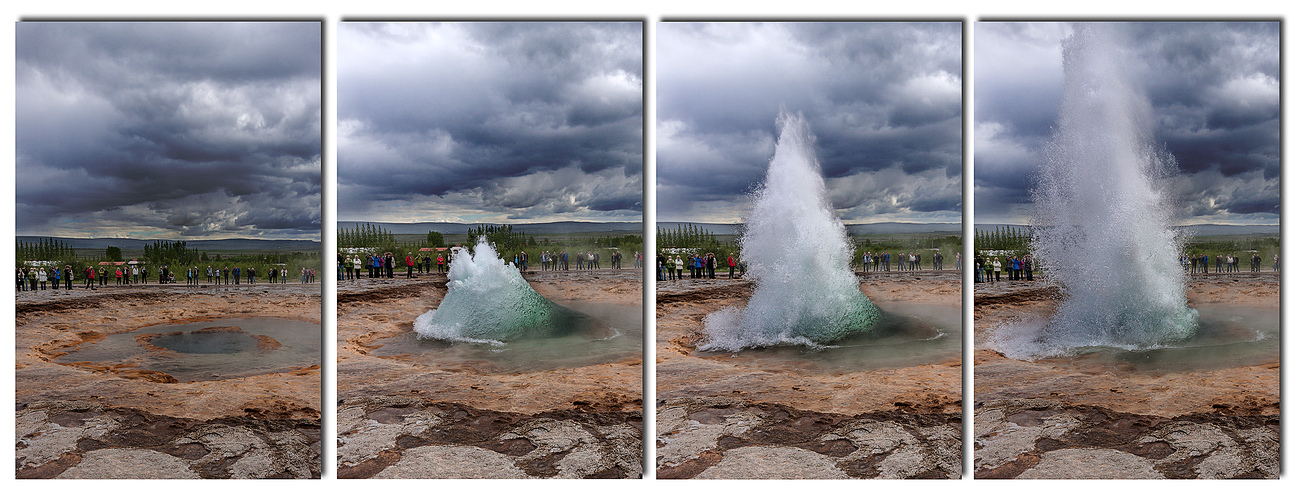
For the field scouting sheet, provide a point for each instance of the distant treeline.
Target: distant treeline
(46, 249)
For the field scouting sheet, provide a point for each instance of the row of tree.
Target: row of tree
(366, 236)
(686, 236)
(47, 249)
(1014, 239)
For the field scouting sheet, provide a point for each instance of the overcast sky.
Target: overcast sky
(490, 122)
(168, 130)
(1214, 89)
(883, 99)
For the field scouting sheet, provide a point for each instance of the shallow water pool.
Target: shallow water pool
(616, 335)
(188, 353)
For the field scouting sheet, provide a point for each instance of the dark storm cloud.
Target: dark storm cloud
(168, 129)
(1214, 88)
(883, 100)
(490, 121)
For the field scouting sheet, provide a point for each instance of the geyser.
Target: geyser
(489, 301)
(797, 253)
(1102, 227)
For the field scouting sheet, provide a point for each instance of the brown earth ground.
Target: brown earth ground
(99, 421)
(718, 418)
(1048, 419)
(401, 419)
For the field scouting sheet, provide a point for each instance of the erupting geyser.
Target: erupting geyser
(1102, 227)
(797, 253)
(488, 301)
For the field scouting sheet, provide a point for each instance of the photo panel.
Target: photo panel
(490, 249)
(168, 239)
(1126, 295)
(809, 235)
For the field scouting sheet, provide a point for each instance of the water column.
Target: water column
(798, 254)
(1102, 226)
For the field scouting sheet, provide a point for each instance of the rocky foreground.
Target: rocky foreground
(730, 438)
(401, 437)
(399, 418)
(80, 440)
(1053, 419)
(720, 417)
(90, 421)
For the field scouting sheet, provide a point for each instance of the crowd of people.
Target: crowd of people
(38, 278)
(987, 269)
(875, 262)
(1224, 264)
(700, 266)
(384, 265)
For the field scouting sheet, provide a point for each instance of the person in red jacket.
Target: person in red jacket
(409, 265)
(732, 263)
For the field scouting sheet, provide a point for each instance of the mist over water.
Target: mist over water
(1102, 227)
(797, 253)
(489, 301)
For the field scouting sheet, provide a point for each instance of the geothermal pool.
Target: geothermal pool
(208, 350)
(916, 334)
(613, 333)
(1226, 337)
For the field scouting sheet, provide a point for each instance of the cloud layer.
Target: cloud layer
(1214, 89)
(168, 130)
(883, 99)
(492, 122)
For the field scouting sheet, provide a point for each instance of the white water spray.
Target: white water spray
(1102, 227)
(489, 301)
(798, 254)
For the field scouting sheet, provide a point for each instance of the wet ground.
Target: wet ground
(725, 416)
(411, 416)
(1070, 418)
(99, 420)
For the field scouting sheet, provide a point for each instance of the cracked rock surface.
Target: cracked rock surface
(731, 438)
(77, 440)
(406, 437)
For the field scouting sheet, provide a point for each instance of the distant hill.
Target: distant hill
(222, 244)
(1197, 229)
(873, 228)
(532, 228)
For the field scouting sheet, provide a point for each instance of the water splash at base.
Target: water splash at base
(488, 301)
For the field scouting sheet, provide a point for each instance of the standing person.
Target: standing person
(731, 263)
(680, 268)
(90, 276)
(409, 265)
(1026, 266)
(995, 263)
(238, 274)
(43, 277)
(977, 268)
(711, 265)
(389, 264)
(959, 261)
(67, 276)
(661, 266)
